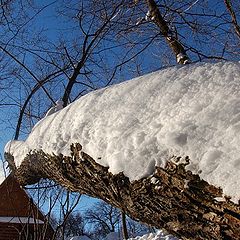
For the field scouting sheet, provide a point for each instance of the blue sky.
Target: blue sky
(46, 21)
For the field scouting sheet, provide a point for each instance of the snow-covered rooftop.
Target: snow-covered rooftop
(25, 220)
(134, 126)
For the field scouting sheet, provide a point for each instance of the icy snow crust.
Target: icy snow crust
(139, 124)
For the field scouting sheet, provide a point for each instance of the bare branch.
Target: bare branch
(29, 71)
(233, 16)
(39, 85)
(173, 42)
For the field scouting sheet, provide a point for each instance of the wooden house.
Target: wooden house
(20, 218)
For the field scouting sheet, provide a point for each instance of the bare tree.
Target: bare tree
(124, 225)
(103, 218)
(75, 225)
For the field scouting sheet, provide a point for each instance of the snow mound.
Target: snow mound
(113, 236)
(134, 126)
(79, 238)
(159, 235)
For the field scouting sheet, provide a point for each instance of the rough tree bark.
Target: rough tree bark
(172, 198)
(171, 37)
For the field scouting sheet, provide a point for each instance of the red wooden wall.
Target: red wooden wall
(15, 202)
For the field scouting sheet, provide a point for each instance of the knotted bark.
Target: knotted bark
(172, 198)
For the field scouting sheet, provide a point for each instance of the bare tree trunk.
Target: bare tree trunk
(176, 46)
(173, 198)
(124, 225)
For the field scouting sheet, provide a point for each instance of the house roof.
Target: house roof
(20, 220)
(15, 202)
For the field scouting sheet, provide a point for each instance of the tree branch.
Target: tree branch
(39, 85)
(176, 46)
(172, 198)
(28, 71)
(233, 16)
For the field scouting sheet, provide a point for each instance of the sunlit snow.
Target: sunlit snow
(79, 238)
(159, 235)
(134, 126)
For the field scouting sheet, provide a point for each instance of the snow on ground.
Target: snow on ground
(159, 235)
(134, 126)
(79, 238)
(113, 236)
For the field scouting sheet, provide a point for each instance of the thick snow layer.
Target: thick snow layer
(139, 124)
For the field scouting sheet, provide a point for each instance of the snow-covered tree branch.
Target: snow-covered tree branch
(162, 147)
